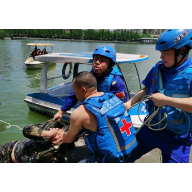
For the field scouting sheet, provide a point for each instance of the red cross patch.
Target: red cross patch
(126, 127)
(121, 95)
(153, 82)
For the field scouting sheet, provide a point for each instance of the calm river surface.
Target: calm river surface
(16, 81)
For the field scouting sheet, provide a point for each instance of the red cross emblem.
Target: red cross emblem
(126, 127)
(153, 82)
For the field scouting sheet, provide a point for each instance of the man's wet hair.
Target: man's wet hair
(85, 79)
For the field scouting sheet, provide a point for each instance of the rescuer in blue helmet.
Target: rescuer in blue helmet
(175, 39)
(109, 78)
(105, 51)
(169, 87)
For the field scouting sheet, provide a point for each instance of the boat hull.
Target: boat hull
(48, 111)
(32, 64)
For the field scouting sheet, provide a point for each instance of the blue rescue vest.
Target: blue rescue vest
(115, 135)
(177, 120)
(106, 83)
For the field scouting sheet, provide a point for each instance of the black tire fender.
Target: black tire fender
(69, 72)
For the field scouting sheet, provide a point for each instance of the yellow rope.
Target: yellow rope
(9, 125)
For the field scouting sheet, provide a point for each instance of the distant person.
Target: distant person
(109, 78)
(44, 51)
(38, 52)
(169, 85)
(34, 53)
(38, 148)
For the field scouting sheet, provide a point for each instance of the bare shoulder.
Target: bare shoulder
(78, 113)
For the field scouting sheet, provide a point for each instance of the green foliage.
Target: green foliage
(148, 35)
(3, 34)
(87, 34)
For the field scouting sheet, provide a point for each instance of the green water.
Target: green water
(16, 81)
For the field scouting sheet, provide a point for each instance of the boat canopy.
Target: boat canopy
(39, 44)
(79, 58)
(87, 57)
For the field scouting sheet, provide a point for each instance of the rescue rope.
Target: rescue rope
(150, 118)
(9, 125)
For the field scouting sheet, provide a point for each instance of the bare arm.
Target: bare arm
(51, 133)
(184, 104)
(136, 98)
(76, 122)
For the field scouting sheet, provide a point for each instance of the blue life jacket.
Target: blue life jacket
(177, 120)
(106, 83)
(115, 135)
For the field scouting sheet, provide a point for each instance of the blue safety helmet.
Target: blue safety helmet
(106, 51)
(174, 39)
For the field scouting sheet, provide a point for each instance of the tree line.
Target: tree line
(79, 34)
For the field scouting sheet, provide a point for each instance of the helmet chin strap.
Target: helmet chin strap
(109, 69)
(178, 53)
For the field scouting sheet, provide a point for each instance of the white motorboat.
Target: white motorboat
(36, 64)
(49, 100)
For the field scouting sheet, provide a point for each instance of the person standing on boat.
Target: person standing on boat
(109, 78)
(111, 135)
(169, 86)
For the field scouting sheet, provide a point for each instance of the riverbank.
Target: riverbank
(75, 40)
